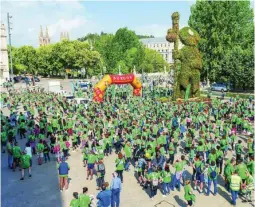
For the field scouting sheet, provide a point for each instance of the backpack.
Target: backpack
(67, 144)
(63, 168)
(213, 174)
(56, 148)
(101, 167)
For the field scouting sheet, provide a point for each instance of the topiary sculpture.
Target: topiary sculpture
(187, 60)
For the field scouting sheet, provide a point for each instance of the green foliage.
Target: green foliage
(189, 36)
(124, 49)
(24, 59)
(191, 64)
(54, 59)
(226, 29)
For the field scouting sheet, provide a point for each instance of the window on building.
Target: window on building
(166, 56)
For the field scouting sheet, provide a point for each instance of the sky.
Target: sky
(80, 18)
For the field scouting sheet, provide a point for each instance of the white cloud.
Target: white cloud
(66, 25)
(58, 16)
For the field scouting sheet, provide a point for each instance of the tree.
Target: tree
(124, 50)
(227, 40)
(24, 59)
(152, 62)
(45, 59)
(63, 54)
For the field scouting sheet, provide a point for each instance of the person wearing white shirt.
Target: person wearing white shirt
(28, 149)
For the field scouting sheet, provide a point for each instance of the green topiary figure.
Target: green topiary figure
(187, 60)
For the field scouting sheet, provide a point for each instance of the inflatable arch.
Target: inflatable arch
(101, 86)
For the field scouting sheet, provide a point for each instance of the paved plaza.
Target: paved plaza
(42, 189)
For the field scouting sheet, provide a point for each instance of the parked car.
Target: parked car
(26, 80)
(219, 87)
(17, 79)
(36, 79)
(83, 86)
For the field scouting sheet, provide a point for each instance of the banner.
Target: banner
(122, 79)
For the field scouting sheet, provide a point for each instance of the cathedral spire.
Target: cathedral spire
(41, 32)
(47, 33)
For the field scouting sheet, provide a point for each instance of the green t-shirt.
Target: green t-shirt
(16, 150)
(25, 161)
(128, 151)
(153, 176)
(40, 147)
(178, 166)
(241, 169)
(187, 192)
(75, 203)
(120, 164)
(171, 148)
(166, 176)
(92, 158)
(4, 136)
(84, 200)
(212, 157)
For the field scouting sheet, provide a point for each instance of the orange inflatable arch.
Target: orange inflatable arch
(101, 86)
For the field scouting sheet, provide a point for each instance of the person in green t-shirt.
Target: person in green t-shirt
(171, 151)
(178, 165)
(219, 159)
(16, 152)
(154, 178)
(22, 129)
(228, 171)
(189, 196)
(128, 154)
(39, 149)
(25, 163)
(92, 159)
(241, 169)
(199, 169)
(212, 177)
(75, 202)
(166, 177)
(84, 199)
(120, 163)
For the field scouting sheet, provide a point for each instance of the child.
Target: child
(75, 201)
(57, 151)
(189, 196)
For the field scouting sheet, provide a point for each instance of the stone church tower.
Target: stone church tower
(64, 36)
(4, 62)
(44, 39)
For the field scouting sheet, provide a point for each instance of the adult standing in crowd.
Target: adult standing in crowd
(116, 189)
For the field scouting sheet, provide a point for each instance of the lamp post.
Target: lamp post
(10, 43)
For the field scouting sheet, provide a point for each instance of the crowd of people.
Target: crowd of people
(162, 141)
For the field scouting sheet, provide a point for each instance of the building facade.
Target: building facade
(160, 45)
(44, 39)
(4, 61)
(64, 36)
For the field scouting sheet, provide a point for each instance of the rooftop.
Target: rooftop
(154, 40)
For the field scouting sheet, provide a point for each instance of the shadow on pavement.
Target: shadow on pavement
(179, 201)
(41, 190)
